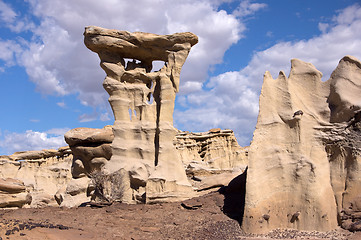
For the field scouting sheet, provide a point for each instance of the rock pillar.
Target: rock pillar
(143, 104)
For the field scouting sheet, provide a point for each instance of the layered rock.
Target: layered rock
(304, 159)
(91, 149)
(213, 150)
(143, 104)
(13, 193)
(38, 174)
(68, 176)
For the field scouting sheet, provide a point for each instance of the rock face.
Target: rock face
(216, 149)
(68, 176)
(13, 193)
(143, 104)
(304, 160)
(32, 178)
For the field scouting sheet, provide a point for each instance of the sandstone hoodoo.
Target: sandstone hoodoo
(302, 170)
(143, 154)
(304, 159)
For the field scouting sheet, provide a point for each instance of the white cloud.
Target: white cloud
(31, 140)
(232, 100)
(323, 27)
(57, 131)
(57, 61)
(7, 14)
(104, 117)
(247, 8)
(61, 104)
(8, 51)
(230, 103)
(88, 117)
(13, 21)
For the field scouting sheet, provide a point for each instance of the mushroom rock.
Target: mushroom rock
(304, 158)
(91, 149)
(143, 104)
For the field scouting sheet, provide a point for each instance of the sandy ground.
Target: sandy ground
(198, 218)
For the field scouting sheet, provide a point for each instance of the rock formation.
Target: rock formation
(304, 160)
(67, 176)
(13, 193)
(216, 149)
(143, 104)
(34, 177)
(91, 149)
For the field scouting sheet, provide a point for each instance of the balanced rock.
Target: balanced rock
(91, 149)
(304, 169)
(143, 102)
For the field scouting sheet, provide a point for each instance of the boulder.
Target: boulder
(91, 149)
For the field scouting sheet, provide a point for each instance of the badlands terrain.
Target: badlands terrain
(141, 178)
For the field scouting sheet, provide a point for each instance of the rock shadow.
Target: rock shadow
(234, 197)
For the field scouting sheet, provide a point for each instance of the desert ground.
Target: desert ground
(203, 217)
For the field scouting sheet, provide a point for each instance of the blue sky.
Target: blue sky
(51, 83)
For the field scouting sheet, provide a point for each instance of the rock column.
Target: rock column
(143, 104)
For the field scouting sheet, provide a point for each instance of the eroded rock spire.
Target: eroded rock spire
(143, 104)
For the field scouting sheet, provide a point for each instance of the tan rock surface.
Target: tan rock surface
(143, 104)
(216, 149)
(38, 174)
(297, 166)
(13, 193)
(91, 149)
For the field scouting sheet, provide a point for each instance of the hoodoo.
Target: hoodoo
(143, 155)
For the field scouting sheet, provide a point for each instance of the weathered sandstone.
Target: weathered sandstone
(36, 177)
(216, 149)
(304, 160)
(143, 104)
(66, 176)
(91, 149)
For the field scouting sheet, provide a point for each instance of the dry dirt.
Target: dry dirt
(198, 218)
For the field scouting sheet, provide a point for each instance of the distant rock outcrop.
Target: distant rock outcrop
(216, 149)
(143, 104)
(35, 175)
(304, 159)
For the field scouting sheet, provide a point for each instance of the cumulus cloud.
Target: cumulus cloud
(57, 61)
(230, 100)
(32, 140)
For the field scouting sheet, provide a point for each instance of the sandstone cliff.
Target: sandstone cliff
(304, 160)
